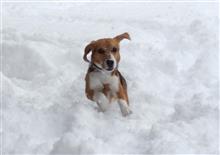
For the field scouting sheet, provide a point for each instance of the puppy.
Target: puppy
(104, 82)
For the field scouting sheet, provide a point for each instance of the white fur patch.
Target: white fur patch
(97, 79)
(115, 62)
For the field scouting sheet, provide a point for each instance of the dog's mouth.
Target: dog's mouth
(110, 68)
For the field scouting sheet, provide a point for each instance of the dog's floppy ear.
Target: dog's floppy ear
(122, 36)
(88, 48)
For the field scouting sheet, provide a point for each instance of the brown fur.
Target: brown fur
(89, 92)
(108, 44)
(122, 94)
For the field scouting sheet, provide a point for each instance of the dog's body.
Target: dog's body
(104, 83)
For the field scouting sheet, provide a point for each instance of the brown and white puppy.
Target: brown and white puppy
(104, 83)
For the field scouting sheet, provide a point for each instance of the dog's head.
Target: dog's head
(105, 52)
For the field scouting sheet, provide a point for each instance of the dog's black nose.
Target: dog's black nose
(110, 63)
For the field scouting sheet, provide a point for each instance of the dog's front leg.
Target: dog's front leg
(125, 110)
(101, 100)
(123, 101)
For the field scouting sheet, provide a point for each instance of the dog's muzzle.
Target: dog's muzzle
(110, 64)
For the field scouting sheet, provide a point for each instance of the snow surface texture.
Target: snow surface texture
(171, 67)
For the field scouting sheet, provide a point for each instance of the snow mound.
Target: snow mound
(171, 67)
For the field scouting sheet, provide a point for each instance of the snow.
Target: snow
(171, 67)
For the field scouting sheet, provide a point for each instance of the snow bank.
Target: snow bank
(171, 67)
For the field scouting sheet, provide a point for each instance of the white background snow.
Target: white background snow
(171, 67)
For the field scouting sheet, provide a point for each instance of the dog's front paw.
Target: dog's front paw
(98, 109)
(102, 107)
(125, 110)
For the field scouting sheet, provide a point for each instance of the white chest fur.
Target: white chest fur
(98, 79)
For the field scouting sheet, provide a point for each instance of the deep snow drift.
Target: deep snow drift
(171, 67)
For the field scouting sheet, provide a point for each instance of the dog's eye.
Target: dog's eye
(101, 51)
(114, 49)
